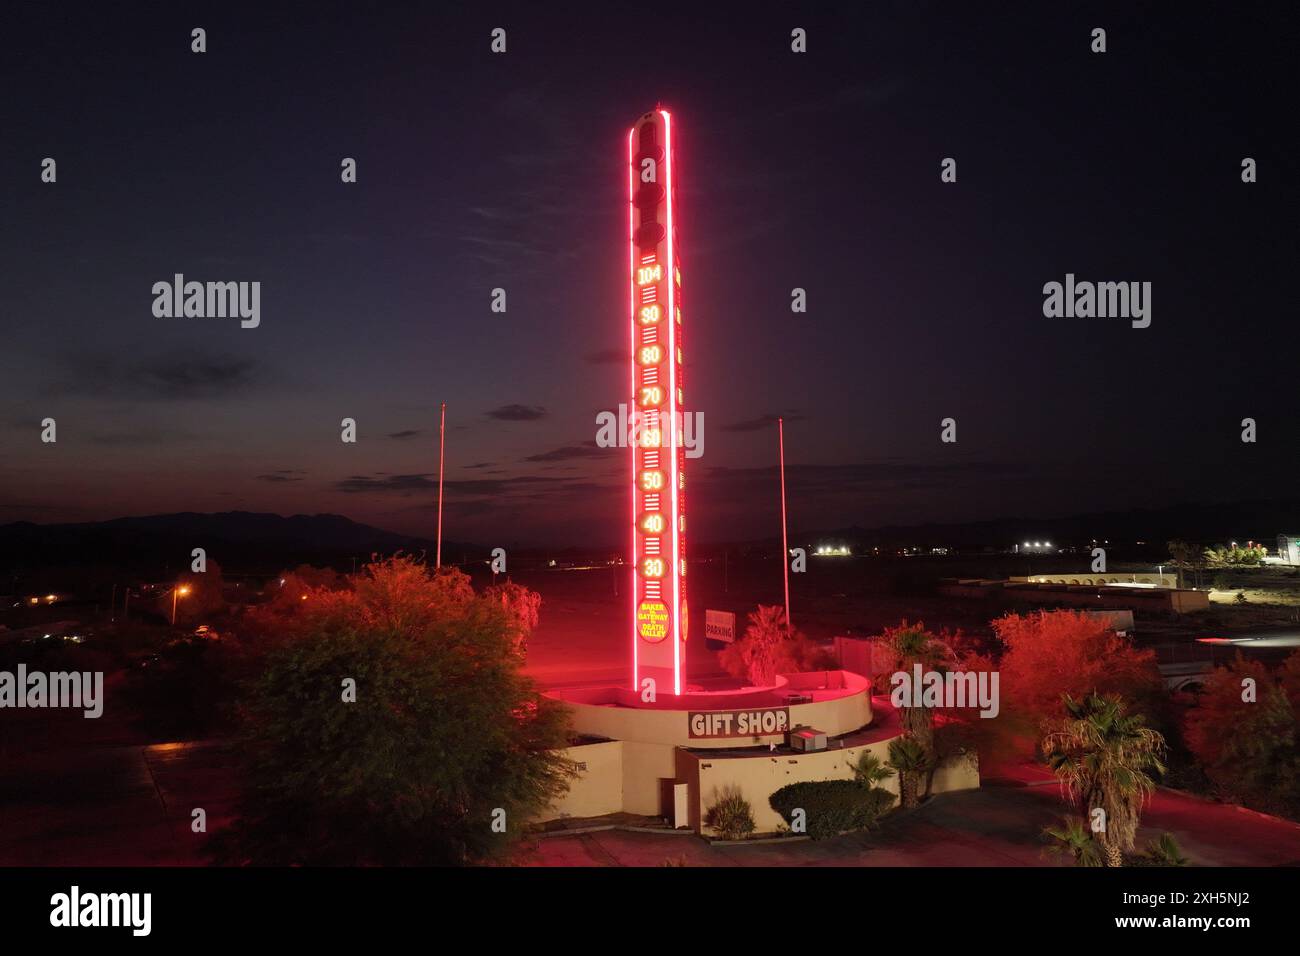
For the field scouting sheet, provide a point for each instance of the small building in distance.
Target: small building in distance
(1094, 591)
(1288, 548)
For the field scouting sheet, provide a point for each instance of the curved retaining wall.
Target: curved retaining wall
(841, 704)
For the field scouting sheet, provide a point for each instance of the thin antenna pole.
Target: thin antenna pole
(785, 544)
(442, 445)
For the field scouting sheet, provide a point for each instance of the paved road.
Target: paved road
(131, 806)
(993, 826)
(113, 806)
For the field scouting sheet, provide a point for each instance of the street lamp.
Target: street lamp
(178, 591)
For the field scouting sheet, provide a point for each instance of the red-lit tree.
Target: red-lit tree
(443, 737)
(1049, 654)
(768, 648)
(760, 654)
(522, 606)
(1243, 732)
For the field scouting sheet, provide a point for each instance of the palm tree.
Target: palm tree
(1165, 851)
(758, 655)
(1184, 556)
(1104, 758)
(870, 770)
(908, 757)
(1073, 838)
(903, 648)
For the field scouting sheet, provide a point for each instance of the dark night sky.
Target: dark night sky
(476, 171)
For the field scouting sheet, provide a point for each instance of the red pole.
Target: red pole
(442, 429)
(785, 544)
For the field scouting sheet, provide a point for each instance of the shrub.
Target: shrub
(1074, 839)
(831, 807)
(730, 815)
(1250, 749)
(1162, 851)
(762, 652)
(444, 729)
(870, 770)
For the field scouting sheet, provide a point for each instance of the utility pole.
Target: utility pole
(785, 544)
(442, 430)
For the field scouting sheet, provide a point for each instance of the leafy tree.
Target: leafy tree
(291, 589)
(183, 691)
(1244, 733)
(446, 736)
(1105, 759)
(523, 609)
(1233, 556)
(203, 598)
(1049, 654)
(1288, 677)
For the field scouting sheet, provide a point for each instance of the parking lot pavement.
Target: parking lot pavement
(987, 827)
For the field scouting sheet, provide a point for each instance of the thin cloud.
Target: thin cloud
(569, 452)
(175, 377)
(517, 413)
(279, 477)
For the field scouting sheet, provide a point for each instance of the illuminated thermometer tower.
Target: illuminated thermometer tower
(659, 610)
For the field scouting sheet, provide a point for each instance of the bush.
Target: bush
(443, 733)
(1162, 851)
(730, 815)
(182, 692)
(832, 807)
(1250, 749)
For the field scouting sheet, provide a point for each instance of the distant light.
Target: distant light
(1047, 544)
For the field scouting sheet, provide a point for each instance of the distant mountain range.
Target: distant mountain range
(1204, 523)
(235, 539)
(266, 543)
